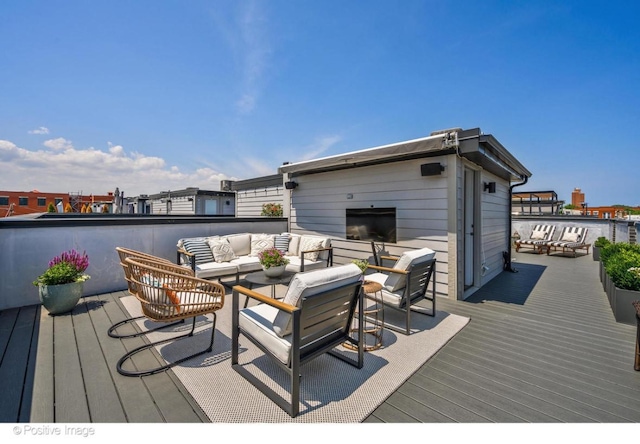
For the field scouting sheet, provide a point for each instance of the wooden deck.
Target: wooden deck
(542, 346)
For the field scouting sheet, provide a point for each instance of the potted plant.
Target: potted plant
(600, 243)
(362, 264)
(621, 279)
(60, 286)
(273, 262)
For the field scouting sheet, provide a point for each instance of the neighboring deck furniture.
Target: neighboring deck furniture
(167, 296)
(571, 239)
(313, 318)
(540, 235)
(405, 283)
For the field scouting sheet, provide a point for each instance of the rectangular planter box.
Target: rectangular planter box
(596, 253)
(623, 310)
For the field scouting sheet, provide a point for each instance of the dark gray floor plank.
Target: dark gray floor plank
(43, 396)
(102, 396)
(16, 354)
(70, 398)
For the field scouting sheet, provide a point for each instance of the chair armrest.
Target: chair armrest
(329, 259)
(190, 258)
(390, 258)
(239, 289)
(386, 269)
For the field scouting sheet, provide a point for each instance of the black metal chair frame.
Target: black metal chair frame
(418, 277)
(162, 368)
(302, 351)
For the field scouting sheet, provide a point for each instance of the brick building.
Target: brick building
(15, 203)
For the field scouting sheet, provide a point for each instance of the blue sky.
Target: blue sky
(155, 95)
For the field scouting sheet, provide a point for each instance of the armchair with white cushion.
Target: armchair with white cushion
(405, 283)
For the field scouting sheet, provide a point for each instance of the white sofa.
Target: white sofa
(215, 257)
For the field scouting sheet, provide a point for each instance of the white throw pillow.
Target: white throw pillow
(570, 237)
(222, 250)
(538, 235)
(308, 244)
(260, 242)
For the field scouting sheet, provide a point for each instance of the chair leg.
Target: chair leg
(112, 330)
(162, 368)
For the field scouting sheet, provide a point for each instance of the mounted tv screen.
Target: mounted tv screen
(371, 224)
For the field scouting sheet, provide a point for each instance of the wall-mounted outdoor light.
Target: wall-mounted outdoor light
(290, 185)
(431, 169)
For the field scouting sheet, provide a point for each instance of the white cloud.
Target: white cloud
(41, 130)
(58, 144)
(64, 169)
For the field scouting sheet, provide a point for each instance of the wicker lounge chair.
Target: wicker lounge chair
(147, 259)
(571, 239)
(540, 235)
(405, 283)
(313, 318)
(167, 296)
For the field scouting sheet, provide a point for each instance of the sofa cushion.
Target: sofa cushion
(396, 281)
(240, 243)
(222, 250)
(215, 269)
(308, 243)
(313, 282)
(281, 242)
(246, 264)
(294, 244)
(260, 242)
(200, 248)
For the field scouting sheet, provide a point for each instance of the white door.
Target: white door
(469, 210)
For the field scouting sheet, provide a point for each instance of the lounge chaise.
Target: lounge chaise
(540, 235)
(571, 238)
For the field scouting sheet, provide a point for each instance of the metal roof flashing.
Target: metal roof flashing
(484, 150)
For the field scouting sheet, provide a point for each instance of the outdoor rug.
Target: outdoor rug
(331, 390)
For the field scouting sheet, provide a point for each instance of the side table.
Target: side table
(373, 317)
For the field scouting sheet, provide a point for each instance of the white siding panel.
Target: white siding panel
(249, 202)
(319, 203)
(495, 218)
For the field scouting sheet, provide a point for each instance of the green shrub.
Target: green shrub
(613, 249)
(601, 242)
(619, 261)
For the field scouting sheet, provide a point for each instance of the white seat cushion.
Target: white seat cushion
(215, 269)
(257, 321)
(247, 264)
(295, 264)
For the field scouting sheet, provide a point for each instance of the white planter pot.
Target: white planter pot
(274, 271)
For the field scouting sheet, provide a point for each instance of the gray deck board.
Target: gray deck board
(542, 346)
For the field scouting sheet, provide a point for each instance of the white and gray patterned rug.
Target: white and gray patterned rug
(331, 390)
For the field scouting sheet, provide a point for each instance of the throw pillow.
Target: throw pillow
(173, 297)
(281, 242)
(222, 250)
(200, 248)
(309, 244)
(538, 235)
(570, 237)
(260, 242)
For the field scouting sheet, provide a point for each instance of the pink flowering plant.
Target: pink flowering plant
(272, 257)
(64, 269)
